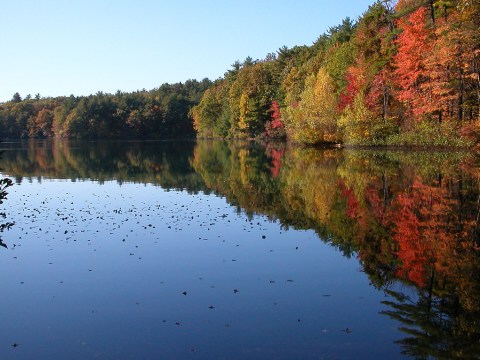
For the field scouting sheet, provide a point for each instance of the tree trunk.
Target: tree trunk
(478, 95)
(460, 95)
(476, 71)
(432, 11)
(385, 104)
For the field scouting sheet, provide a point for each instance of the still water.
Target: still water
(217, 250)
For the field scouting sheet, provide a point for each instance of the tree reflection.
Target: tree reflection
(411, 219)
(436, 326)
(4, 184)
(161, 163)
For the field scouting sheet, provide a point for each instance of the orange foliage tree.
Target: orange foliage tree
(412, 79)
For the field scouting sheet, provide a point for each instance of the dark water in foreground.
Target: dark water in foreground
(215, 250)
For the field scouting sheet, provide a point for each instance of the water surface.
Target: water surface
(232, 250)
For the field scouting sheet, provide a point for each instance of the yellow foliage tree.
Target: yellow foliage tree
(313, 119)
(243, 107)
(355, 121)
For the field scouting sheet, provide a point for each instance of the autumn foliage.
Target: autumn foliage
(413, 46)
(275, 128)
(403, 75)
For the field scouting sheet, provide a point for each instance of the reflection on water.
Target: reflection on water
(5, 183)
(409, 218)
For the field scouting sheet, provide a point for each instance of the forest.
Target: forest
(155, 114)
(407, 72)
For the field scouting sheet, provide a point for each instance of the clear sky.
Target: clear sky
(63, 47)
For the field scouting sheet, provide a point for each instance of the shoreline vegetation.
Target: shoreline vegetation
(405, 74)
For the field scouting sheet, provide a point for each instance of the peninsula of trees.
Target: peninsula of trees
(406, 73)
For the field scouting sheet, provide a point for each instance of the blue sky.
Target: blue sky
(63, 47)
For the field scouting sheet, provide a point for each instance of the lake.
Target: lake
(231, 250)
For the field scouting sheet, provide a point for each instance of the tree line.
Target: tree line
(406, 73)
(159, 113)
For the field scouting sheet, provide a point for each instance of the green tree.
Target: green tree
(16, 98)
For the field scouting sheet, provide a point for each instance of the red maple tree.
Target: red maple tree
(277, 122)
